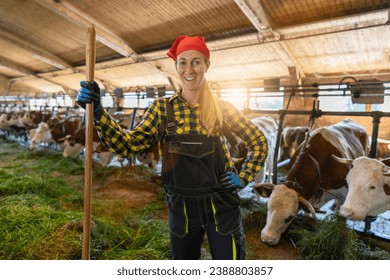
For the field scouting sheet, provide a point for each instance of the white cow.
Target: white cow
(368, 188)
(269, 127)
(40, 135)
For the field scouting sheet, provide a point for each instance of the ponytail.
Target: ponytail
(210, 110)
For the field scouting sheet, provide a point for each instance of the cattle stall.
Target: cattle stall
(316, 117)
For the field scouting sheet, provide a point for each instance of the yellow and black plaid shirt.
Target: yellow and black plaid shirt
(127, 143)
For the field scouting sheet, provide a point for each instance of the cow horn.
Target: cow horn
(308, 206)
(67, 137)
(263, 189)
(346, 161)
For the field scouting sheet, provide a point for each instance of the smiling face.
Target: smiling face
(191, 66)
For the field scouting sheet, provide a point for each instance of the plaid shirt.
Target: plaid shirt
(127, 143)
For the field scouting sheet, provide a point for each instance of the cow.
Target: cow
(40, 135)
(368, 188)
(4, 125)
(269, 127)
(103, 154)
(17, 126)
(382, 148)
(150, 156)
(53, 131)
(314, 175)
(27, 120)
(40, 116)
(74, 143)
(61, 128)
(291, 138)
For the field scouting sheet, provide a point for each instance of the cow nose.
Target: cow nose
(345, 212)
(268, 239)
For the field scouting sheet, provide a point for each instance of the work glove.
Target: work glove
(232, 181)
(90, 93)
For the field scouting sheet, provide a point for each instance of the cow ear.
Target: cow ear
(263, 189)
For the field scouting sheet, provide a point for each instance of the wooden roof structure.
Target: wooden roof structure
(252, 42)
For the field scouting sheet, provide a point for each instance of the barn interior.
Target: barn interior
(295, 60)
(286, 48)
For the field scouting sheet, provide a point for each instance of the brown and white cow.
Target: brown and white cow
(291, 138)
(382, 148)
(150, 156)
(74, 143)
(4, 124)
(368, 188)
(313, 171)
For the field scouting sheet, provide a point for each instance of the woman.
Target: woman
(197, 171)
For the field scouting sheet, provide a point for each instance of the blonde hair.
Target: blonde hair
(210, 110)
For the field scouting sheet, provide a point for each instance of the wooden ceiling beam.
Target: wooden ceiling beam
(36, 52)
(334, 25)
(103, 34)
(256, 13)
(8, 64)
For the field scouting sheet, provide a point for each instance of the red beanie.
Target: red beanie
(185, 43)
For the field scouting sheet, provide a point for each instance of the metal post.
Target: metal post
(374, 135)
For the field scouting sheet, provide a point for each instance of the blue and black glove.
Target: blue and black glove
(88, 93)
(232, 181)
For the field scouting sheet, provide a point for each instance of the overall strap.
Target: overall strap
(169, 123)
(229, 135)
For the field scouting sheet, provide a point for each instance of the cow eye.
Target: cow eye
(372, 187)
(289, 219)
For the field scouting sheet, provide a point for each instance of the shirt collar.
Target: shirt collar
(178, 95)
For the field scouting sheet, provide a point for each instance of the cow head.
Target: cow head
(71, 147)
(283, 205)
(368, 189)
(39, 135)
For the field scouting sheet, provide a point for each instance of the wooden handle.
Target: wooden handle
(90, 70)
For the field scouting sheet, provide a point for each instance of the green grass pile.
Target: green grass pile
(254, 214)
(41, 213)
(331, 239)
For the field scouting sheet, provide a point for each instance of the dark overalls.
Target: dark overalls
(198, 204)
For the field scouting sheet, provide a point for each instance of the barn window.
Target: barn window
(236, 96)
(139, 99)
(107, 101)
(253, 98)
(262, 100)
(64, 101)
(333, 100)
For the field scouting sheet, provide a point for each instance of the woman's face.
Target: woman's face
(191, 66)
